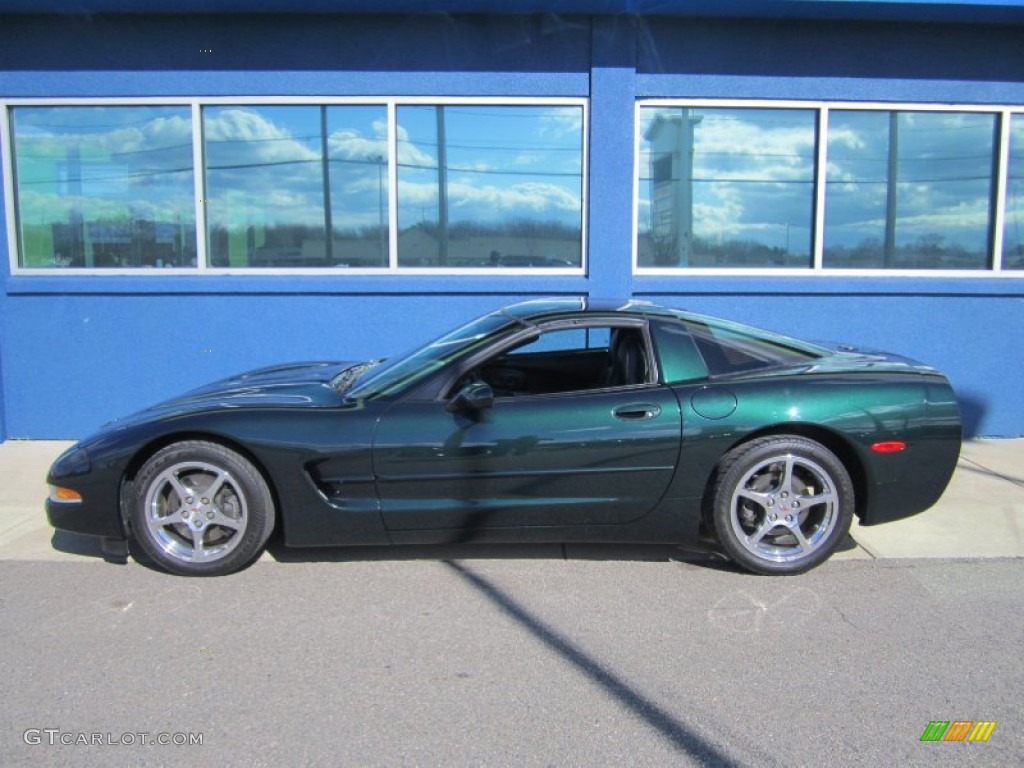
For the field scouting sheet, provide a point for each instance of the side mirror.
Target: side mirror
(474, 396)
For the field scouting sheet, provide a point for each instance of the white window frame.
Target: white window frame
(1003, 113)
(196, 104)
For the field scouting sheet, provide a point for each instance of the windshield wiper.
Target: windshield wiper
(345, 379)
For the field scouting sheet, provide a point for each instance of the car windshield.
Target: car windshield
(386, 377)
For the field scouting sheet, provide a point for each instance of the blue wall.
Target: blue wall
(75, 352)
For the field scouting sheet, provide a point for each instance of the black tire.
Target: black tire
(782, 504)
(200, 509)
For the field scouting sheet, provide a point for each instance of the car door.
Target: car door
(599, 453)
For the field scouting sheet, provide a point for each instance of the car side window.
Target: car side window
(567, 340)
(569, 360)
(727, 350)
(678, 357)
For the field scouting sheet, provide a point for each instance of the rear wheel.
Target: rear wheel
(200, 509)
(782, 504)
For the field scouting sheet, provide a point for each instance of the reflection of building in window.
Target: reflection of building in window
(671, 194)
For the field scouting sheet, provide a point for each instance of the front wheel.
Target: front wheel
(200, 509)
(782, 504)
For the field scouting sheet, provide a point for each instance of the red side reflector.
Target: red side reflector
(889, 446)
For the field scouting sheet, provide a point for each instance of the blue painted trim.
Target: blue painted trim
(710, 86)
(610, 201)
(994, 11)
(197, 84)
(827, 285)
(295, 285)
(604, 281)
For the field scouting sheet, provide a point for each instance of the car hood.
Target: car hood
(305, 385)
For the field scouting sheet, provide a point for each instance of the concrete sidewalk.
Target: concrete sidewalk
(980, 515)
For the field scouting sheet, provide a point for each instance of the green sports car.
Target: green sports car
(557, 420)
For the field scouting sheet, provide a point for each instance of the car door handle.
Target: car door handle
(636, 412)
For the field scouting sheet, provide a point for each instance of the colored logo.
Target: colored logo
(958, 730)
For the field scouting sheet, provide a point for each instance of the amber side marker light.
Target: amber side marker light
(889, 446)
(64, 494)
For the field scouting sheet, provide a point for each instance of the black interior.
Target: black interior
(539, 373)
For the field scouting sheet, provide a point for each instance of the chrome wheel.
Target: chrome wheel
(199, 508)
(782, 504)
(197, 511)
(784, 508)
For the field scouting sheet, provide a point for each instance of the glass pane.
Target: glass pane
(728, 348)
(268, 183)
(490, 186)
(908, 190)
(567, 340)
(357, 145)
(726, 187)
(1013, 229)
(265, 175)
(104, 186)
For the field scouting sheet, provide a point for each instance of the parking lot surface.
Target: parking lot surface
(524, 656)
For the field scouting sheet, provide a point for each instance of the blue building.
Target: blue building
(195, 188)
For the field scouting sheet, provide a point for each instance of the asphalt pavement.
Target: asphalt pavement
(520, 656)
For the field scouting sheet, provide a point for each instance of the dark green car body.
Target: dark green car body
(479, 438)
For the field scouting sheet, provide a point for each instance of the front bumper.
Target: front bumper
(79, 518)
(96, 512)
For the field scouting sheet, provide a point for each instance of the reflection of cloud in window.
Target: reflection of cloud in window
(155, 134)
(262, 166)
(104, 186)
(752, 172)
(561, 122)
(350, 145)
(237, 136)
(241, 139)
(103, 163)
(502, 162)
(495, 203)
(409, 153)
(844, 137)
(764, 144)
(941, 176)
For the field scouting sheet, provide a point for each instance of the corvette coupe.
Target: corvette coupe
(556, 420)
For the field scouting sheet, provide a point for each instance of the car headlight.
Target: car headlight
(74, 461)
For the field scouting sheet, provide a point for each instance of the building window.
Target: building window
(1013, 228)
(104, 187)
(479, 186)
(908, 190)
(828, 187)
(279, 178)
(490, 186)
(728, 188)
